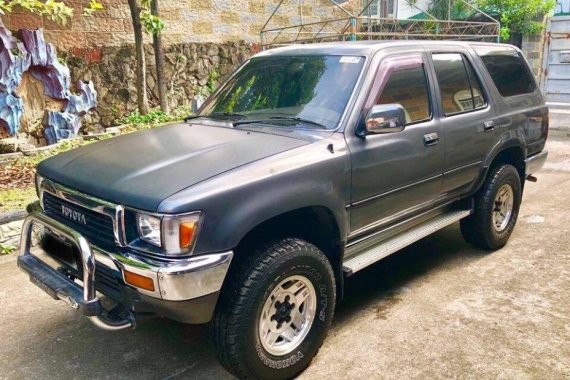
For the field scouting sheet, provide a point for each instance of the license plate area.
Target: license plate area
(63, 251)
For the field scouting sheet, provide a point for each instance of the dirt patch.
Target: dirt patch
(17, 176)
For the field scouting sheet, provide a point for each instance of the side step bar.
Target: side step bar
(394, 244)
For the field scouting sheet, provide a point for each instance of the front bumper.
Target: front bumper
(177, 283)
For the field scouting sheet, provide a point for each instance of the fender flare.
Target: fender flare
(511, 139)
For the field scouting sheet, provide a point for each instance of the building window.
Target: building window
(379, 8)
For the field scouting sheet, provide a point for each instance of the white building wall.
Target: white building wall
(405, 10)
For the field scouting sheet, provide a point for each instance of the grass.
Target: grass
(16, 199)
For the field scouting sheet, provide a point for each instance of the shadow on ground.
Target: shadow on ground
(384, 282)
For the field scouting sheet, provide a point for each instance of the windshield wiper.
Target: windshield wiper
(286, 118)
(229, 114)
(214, 114)
(299, 119)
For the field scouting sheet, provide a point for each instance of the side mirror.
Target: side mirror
(385, 118)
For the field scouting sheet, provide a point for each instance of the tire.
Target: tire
(486, 228)
(245, 314)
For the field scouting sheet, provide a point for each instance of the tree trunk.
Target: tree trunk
(142, 99)
(159, 61)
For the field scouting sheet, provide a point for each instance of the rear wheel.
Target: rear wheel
(496, 209)
(275, 310)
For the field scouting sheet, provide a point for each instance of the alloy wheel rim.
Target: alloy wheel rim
(503, 207)
(287, 315)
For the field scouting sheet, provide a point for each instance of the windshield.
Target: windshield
(308, 91)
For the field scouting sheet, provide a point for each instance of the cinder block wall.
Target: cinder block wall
(533, 48)
(187, 21)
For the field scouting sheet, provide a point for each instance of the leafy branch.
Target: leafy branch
(55, 10)
(152, 23)
(518, 15)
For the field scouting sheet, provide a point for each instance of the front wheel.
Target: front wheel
(496, 210)
(275, 311)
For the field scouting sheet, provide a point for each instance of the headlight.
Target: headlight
(174, 234)
(149, 229)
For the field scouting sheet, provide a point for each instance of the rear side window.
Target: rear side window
(408, 87)
(508, 70)
(459, 88)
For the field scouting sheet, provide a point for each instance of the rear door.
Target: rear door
(468, 124)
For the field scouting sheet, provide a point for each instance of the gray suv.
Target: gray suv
(307, 165)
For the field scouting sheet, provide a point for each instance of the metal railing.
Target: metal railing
(362, 27)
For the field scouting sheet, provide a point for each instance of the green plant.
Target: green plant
(212, 83)
(518, 15)
(55, 10)
(152, 24)
(6, 249)
(441, 9)
(153, 117)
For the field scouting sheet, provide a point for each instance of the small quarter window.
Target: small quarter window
(408, 87)
(508, 70)
(459, 88)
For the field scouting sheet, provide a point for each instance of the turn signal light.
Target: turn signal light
(139, 281)
(187, 231)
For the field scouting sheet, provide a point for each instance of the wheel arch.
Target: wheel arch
(512, 152)
(314, 224)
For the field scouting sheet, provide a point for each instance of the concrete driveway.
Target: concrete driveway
(439, 309)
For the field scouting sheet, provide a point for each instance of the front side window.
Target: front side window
(408, 88)
(508, 70)
(312, 88)
(459, 88)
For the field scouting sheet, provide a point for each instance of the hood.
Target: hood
(141, 169)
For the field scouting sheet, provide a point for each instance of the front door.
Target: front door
(397, 173)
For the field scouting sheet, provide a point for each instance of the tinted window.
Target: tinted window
(508, 70)
(460, 91)
(409, 89)
(478, 97)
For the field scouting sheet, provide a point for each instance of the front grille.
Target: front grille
(97, 228)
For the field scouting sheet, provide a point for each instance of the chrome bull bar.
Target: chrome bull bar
(60, 286)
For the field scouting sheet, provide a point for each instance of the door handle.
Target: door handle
(488, 126)
(431, 139)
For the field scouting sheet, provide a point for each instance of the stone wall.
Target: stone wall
(186, 21)
(10, 234)
(191, 69)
